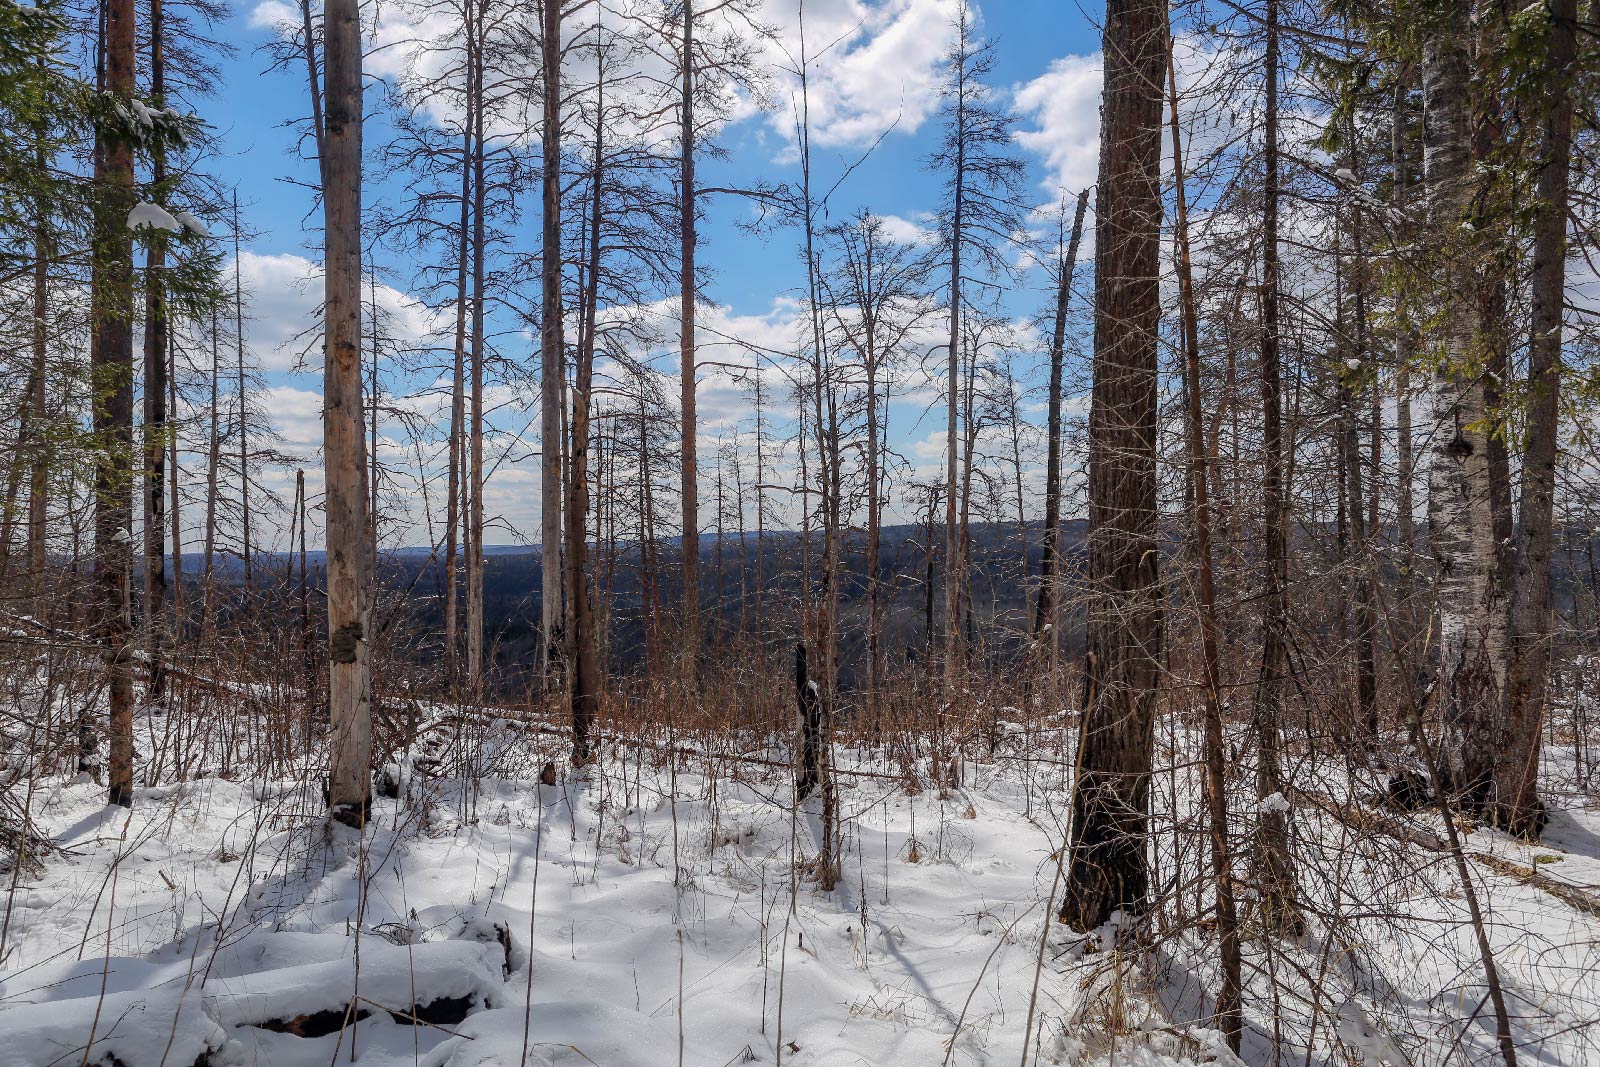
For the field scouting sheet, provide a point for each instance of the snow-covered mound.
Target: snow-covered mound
(169, 1010)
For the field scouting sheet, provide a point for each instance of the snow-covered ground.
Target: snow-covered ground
(672, 919)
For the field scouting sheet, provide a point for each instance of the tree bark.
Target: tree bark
(1472, 619)
(38, 437)
(474, 560)
(1404, 351)
(1110, 803)
(348, 554)
(213, 462)
(1517, 805)
(1050, 562)
(952, 529)
(452, 596)
(244, 409)
(584, 643)
(552, 359)
(112, 394)
(155, 400)
(174, 504)
(1229, 1001)
(1275, 870)
(1364, 609)
(687, 295)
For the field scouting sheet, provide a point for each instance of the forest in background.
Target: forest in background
(1267, 461)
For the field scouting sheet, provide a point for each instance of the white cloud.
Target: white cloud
(1064, 106)
(908, 231)
(871, 65)
(283, 300)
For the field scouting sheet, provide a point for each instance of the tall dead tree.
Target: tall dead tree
(875, 294)
(1229, 1008)
(476, 479)
(1272, 861)
(245, 546)
(348, 551)
(1050, 554)
(1109, 869)
(456, 451)
(213, 464)
(583, 651)
(552, 359)
(978, 219)
(688, 293)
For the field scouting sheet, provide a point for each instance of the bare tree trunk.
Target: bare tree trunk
(373, 399)
(1275, 868)
(244, 407)
(875, 654)
(687, 296)
(112, 395)
(649, 562)
(1229, 1000)
(305, 589)
(927, 577)
(8, 505)
(552, 359)
(38, 453)
(829, 479)
(155, 401)
(452, 596)
(349, 558)
(174, 506)
(213, 463)
(1405, 347)
(1472, 621)
(313, 81)
(1110, 802)
(952, 529)
(1050, 562)
(1365, 610)
(474, 560)
(584, 647)
(1487, 125)
(1517, 804)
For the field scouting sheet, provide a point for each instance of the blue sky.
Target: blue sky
(1046, 67)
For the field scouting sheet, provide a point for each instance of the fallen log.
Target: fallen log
(1366, 820)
